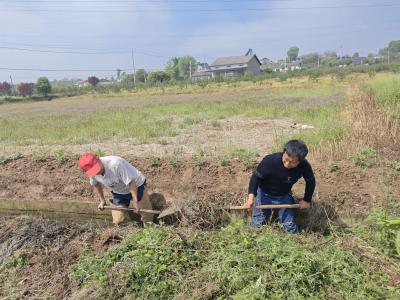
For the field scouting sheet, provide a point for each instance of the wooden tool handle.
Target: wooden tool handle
(149, 211)
(268, 206)
(273, 206)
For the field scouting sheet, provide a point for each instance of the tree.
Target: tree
(179, 67)
(158, 76)
(347, 60)
(330, 61)
(184, 65)
(5, 88)
(171, 68)
(356, 55)
(332, 54)
(310, 58)
(25, 89)
(93, 81)
(141, 75)
(43, 86)
(293, 53)
(128, 80)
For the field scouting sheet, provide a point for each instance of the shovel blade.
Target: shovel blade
(168, 212)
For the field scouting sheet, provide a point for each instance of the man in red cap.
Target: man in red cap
(127, 184)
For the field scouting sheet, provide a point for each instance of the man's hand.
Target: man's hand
(101, 205)
(304, 204)
(250, 201)
(135, 205)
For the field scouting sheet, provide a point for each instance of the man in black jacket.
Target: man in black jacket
(272, 181)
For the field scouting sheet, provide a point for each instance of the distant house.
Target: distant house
(236, 66)
(270, 64)
(294, 65)
(203, 71)
(358, 61)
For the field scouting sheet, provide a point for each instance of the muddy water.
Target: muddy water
(58, 210)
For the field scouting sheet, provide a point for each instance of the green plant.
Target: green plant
(382, 231)
(163, 142)
(60, 153)
(215, 123)
(40, 154)
(223, 160)
(99, 153)
(200, 158)
(333, 166)
(396, 165)
(174, 263)
(244, 155)
(153, 160)
(174, 160)
(365, 157)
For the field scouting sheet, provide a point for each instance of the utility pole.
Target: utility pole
(190, 70)
(388, 55)
(134, 71)
(12, 86)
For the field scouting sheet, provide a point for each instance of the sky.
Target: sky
(79, 38)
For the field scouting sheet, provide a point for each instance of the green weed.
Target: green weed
(174, 160)
(333, 166)
(223, 160)
(396, 165)
(244, 155)
(153, 160)
(59, 154)
(365, 157)
(40, 154)
(234, 263)
(99, 153)
(215, 124)
(200, 158)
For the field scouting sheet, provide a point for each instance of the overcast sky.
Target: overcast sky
(100, 34)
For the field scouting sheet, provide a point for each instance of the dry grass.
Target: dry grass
(369, 124)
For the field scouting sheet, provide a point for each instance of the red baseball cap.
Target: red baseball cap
(89, 163)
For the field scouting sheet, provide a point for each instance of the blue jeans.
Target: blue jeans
(286, 215)
(125, 199)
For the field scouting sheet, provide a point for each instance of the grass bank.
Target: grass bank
(386, 90)
(234, 263)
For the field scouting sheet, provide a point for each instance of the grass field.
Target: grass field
(130, 118)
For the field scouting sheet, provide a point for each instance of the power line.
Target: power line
(256, 39)
(62, 52)
(63, 70)
(205, 10)
(126, 49)
(142, 1)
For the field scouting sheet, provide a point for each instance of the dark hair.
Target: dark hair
(296, 148)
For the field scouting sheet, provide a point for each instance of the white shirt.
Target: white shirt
(118, 175)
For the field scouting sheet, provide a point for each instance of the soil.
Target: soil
(349, 189)
(52, 246)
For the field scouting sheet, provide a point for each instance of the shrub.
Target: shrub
(365, 157)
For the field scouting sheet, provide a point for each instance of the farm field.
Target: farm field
(197, 148)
